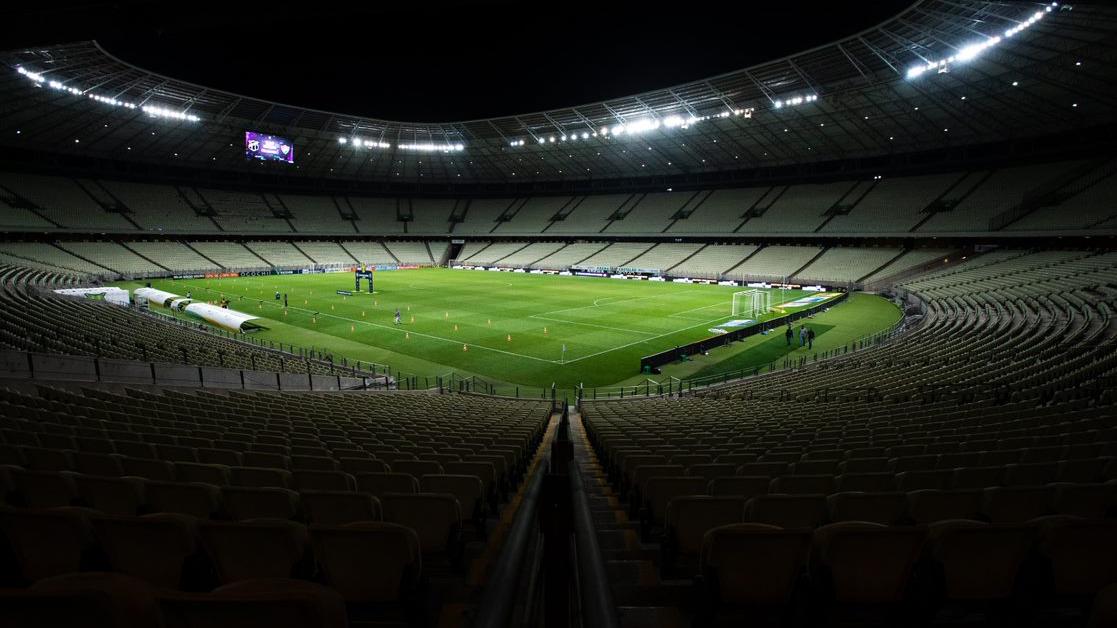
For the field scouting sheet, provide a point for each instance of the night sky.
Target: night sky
(441, 61)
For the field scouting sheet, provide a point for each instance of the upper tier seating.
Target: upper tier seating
(315, 214)
(616, 255)
(590, 214)
(722, 211)
(430, 216)
(1002, 190)
(846, 264)
(799, 209)
(893, 205)
(531, 253)
(774, 262)
(160, 208)
(376, 215)
(665, 255)
(533, 215)
(651, 213)
(408, 252)
(714, 259)
(229, 254)
(326, 252)
(569, 255)
(243, 212)
(279, 253)
(64, 202)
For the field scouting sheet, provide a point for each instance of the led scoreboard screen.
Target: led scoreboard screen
(268, 147)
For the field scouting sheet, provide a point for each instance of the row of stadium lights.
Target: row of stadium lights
(970, 52)
(636, 127)
(151, 110)
(424, 147)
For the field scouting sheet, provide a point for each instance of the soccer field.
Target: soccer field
(509, 327)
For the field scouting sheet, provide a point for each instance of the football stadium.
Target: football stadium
(761, 329)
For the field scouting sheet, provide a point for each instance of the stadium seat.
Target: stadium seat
(339, 507)
(882, 508)
(658, 491)
(258, 603)
(929, 505)
(753, 564)
(1089, 501)
(435, 517)
(43, 489)
(803, 484)
(195, 499)
(741, 486)
(249, 550)
(323, 480)
(45, 543)
(244, 503)
(154, 548)
(687, 520)
(122, 497)
(787, 511)
(865, 563)
(379, 484)
(260, 477)
(368, 562)
(467, 489)
(217, 475)
(1081, 554)
(1017, 504)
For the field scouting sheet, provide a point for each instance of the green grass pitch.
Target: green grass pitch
(507, 327)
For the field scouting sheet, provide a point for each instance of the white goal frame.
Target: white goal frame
(752, 303)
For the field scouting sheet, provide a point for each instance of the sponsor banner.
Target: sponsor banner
(116, 296)
(789, 286)
(727, 283)
(629, 270)
(192, 276)
(737, 323)
(717, 330)
(585, 273)
(345, 293)
(618, 277)
(759, 284)
(656, 279)
(818, 298)
(495, 269)
(309, 271)
(536, 271)
(227, 275)
(457, 267)
(813, 288)
(519, 270)
(407, 267)
(458, 241)
(289, 272)
(681, 280)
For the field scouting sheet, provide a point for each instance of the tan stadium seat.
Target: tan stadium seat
(258, 603)
(735, 459)
(96, 463)
(866, 563)
(866, 482)
(218, 475)
(977, 477)
(1081, 471)
(323, 481)
(483, 470)
(89, 600)
(1103, 614)
(920, 462)
(739, 485)
(356, 466)
(227, 457)
(176, 453)
(260, 477)
(417, 468)
(1089, 501)
(378, 484)
(999, 457)
(924, 479)
(787, 511)
(135, 449)
(658, 491)
(763, 469)
(468, 490)
(266, 460)
(803, 484)
(40, 459)
(46, 543)
(688, 460)
(710, 471)
(339, 507)
(43, 489)
(368, 562)
(1017, 504)
(956, 459)
(1082, 554)
(122, 497)
(687, 520)
(197, 500)
(1031, 474)
(244, 503)
(247, 550)
(815, 467)
(149, 469)
(979, 561)
(927, 506)
(864, 465)
(435, 517)
(154, 548)
(883, 508)
(753, 564)
(313, 463)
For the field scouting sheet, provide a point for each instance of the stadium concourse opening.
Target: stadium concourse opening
(817, 330)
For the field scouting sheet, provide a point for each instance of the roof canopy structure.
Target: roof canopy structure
(940, 74)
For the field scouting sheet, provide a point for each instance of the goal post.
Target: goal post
(752, 303)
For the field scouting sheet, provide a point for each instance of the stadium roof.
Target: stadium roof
(940, 74)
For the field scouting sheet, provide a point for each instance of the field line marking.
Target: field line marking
(704, 307)
(585, 357)
(595, 303)
(402, 329)
(559, 320)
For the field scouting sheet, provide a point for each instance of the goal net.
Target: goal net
(752, 303)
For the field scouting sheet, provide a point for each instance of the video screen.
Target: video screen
(268, 147)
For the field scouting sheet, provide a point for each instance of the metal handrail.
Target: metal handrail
(598, 608)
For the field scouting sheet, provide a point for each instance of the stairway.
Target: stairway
(641, 598)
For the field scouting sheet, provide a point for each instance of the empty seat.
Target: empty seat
(40, 459)
(764, 469)
(259, 603)
(122, 497)
(864, 465)
(195, 499)
(687, 520)
(926, 506)
(753, 564)
(803, 484)
(1031, 474)
(43, 489)
(815, 467)
(435, 517)
(710, 471)
(1082, 554)
(979, 561)
(1081, 471)
(313, 463)
(339, 507)
(227, 457)
(468, 490)
(787, 511)
(977, 477)
(1089, 501)
(46, 543)
(740, 485)
(266, 460)
(924, 479)
(866, 482)
(381, 483)
(260, 477)
(154, 548)
(95, 463)
(247, 550)
(1012, 504)
(659, 491)
(882, 508)
(865, 563)
(244, 503)
(89, 600)
(417, 468)
(368, 562)
(218, 475)
(356, 466)
(176, 453)
(323, 481)
(149, 469)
